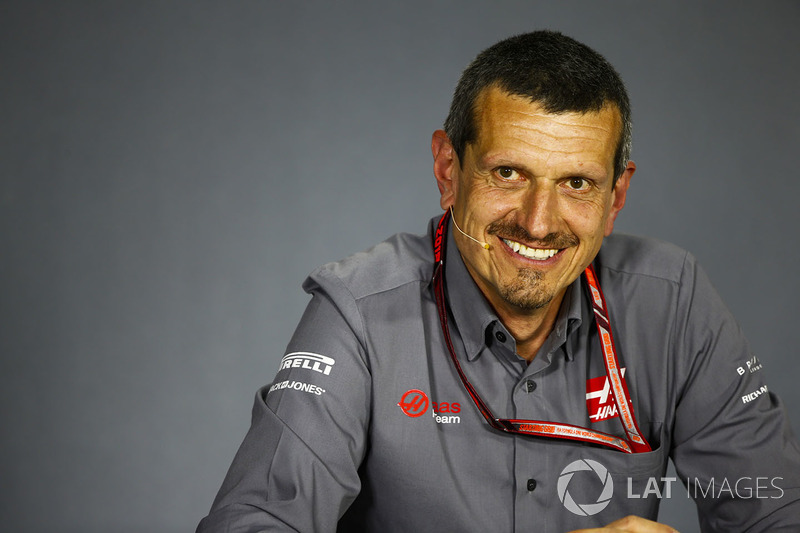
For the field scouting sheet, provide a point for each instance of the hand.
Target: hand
(630, 524)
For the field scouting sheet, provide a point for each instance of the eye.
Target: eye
(507, 173)
(578, 184)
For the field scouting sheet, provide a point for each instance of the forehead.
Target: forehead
(514, 124)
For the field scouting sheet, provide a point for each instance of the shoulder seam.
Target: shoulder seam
(330, 274)
(361, 327)
(654, 276)
(389, 289)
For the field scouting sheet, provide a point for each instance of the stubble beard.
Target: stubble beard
(527, 290)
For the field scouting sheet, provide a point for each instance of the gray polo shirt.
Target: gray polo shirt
(367, 426)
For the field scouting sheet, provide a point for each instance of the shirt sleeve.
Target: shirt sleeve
(297, 469)
(732, 444)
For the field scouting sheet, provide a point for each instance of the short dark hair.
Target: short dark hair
(553, 70)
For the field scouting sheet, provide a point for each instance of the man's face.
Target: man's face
(537, 187)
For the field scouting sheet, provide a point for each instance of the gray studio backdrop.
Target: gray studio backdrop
(171, 171)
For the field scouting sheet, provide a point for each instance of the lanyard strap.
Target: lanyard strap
(619, 388)
(635, 443)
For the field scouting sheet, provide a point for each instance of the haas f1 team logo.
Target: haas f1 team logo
(414, 403)
(600, 400)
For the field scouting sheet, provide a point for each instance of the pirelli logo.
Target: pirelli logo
(310, 361)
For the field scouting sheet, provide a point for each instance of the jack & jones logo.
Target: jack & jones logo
(297, 385)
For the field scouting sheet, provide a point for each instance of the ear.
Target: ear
(445, 163)
(618, 196)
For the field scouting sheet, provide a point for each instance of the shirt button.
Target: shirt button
(531, 485)
(530, 386)
(500, 336)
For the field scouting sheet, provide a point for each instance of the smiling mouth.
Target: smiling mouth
(538, 254)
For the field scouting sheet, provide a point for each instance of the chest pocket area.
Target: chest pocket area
(598, 485)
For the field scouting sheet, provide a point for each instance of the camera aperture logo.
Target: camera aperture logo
(579, 467)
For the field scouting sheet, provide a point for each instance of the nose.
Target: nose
(539, 210)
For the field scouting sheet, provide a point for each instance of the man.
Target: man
(512, 370)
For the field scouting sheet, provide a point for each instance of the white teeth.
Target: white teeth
(531, 253)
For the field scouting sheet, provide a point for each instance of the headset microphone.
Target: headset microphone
(484, 245)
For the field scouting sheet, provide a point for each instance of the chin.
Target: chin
(521, 295)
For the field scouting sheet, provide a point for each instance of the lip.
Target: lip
(540, 263)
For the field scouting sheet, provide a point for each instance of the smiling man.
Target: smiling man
(518, 368)
(541, 189)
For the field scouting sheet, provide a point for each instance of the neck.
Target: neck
(529, 328)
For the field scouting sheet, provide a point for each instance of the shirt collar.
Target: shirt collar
(570, 316)
(475, 318)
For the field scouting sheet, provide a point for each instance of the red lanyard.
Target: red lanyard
(635, 442)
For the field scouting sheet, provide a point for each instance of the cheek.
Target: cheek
(587, 220)
(487, 205)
